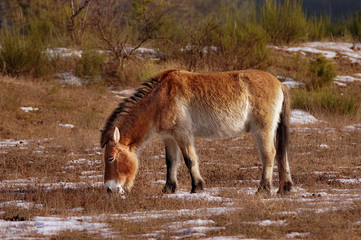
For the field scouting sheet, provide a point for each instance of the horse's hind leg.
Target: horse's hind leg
(287, 174)
(172, 161)
(267, 152)
(191, 160)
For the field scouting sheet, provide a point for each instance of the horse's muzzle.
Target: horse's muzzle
(112, 187)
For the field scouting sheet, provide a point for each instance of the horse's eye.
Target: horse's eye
(111, 159)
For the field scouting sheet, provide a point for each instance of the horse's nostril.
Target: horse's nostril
(120, 190)
(109, 190)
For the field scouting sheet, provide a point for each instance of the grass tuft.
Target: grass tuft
(326, 100)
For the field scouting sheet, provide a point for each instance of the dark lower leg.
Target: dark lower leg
(197, 181)
(172, 157)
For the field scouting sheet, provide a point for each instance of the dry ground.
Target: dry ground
(51, 177)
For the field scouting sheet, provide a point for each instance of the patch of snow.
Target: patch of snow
(69, 78)
(323, 173)
(150, 53)
(247, 190)
(302, 117)
(21, 204)
(200, 229)
(353, 127)
(29, 109)
(142, 216)
(12, 143)
(48, 226)
(327, 54)
(158, 157)
(340, 83)
(266, 223)
(297, 235)
(63, 52)
(66, 125)
(294, 84)
(160, 181)
(85, 161)
(324, 145)
(350, 181)
(346, 79)
(328, 49)
(89, 172)
(197, 222)
(197, 196)
(78, 209)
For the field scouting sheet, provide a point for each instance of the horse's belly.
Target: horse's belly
(220, 125)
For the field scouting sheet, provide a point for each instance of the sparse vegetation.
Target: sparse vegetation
(326, 100)
(284, 21)
(59, 172)
(20, 55)
(88, 66)
(227, 36)
(321, 73)
(55, 162)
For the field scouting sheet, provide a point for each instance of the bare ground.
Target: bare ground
(51, 178)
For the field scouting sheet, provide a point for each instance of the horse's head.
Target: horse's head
(121, 165)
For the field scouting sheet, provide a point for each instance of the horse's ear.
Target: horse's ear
(116, 135)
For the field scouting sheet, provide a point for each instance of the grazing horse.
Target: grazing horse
(179, 105)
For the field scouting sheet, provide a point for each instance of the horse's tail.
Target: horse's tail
(282, 141)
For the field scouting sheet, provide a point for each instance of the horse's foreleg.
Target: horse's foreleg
(191, 160)
(172, 161)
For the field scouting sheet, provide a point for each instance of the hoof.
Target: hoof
(263, 192)
(169, 188)
(198, 187)
(286, 188)
(264, 189)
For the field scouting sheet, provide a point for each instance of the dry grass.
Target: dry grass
(58, 172)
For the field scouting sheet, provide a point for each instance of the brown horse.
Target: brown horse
(179, 105)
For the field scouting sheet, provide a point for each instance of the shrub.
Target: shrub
(284, 22)
(227, 41)
(321, 73)
(318, 27)
(240, 42)
(354, 25)
(88, 67)
(23, 55)
(327, 100)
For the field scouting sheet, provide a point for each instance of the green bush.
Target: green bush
(241, 43)
(354, 25)
(284, 22)
(23, 55)
(221, 42)
(318, 27)
(327, 100)
(321, 73)
(88, 66)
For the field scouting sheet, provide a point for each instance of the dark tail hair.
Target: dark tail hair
(282, 140)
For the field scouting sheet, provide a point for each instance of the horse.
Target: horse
(179, 105)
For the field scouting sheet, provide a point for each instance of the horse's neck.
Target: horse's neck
(138, 125)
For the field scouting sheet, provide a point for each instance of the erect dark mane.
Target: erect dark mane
(124, 106)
